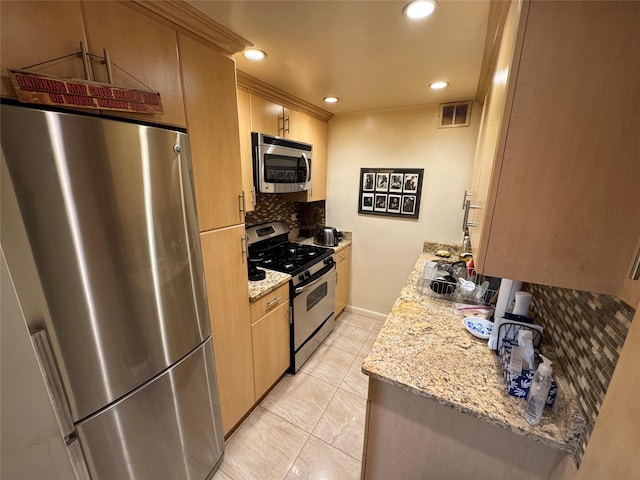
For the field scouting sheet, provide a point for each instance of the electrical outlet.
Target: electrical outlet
(294, 217)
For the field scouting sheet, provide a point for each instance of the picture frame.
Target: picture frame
(408, 204)
(382, 182)
(381, 202)
(396, 181)
(366, 203)
(368, 182)
(394, 203)
(390, 192)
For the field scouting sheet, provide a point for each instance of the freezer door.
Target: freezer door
(169, 429)
(109, 210)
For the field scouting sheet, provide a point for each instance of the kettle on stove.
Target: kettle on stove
(327, 236)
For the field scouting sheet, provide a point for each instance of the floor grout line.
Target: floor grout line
(297, 456)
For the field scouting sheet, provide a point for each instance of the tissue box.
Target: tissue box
(518, 385)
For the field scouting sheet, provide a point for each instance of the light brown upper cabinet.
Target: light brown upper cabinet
(246, 160)
(630, 291)
(271, 118)
(212, 122)
(315, 132)
(274, 119)
(138, 46)
(35, 32)
(266, 116)
(560, 161)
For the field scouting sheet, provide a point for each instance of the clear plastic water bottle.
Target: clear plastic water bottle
(539, 391)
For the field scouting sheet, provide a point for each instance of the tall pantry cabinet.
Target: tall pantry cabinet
(212, 122)
(556, 199)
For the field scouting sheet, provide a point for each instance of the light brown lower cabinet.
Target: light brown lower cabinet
(343, 258)
(270, 337)
(408, 436)
(224, 266)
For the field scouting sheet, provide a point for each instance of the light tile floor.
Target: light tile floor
(311, 425)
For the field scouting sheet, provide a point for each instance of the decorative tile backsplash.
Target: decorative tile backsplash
(274, 207)
(586, 332)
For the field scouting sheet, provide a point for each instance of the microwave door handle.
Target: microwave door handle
(306, 162)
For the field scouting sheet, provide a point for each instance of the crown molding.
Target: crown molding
(498, 11)
(254, 85)
(191, 19)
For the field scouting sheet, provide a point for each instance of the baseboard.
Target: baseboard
(366, 313)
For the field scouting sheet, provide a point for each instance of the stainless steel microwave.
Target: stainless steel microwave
(280, 165)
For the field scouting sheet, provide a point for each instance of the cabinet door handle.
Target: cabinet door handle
(466, 213)
(285, 130)
(464, 200)
(273, 302)
(635, 269)
(281, 129)
(243, 243)
(44, 353)
(243, 205)
(472, 224)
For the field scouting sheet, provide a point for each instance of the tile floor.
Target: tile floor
(311, 425)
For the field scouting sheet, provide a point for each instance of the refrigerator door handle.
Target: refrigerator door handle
(47, 363)
(78, 462)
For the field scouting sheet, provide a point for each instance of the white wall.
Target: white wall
(385, 248)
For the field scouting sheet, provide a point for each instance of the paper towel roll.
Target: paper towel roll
(523, 300)
(506, 296)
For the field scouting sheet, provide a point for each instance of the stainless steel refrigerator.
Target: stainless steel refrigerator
(123, 337)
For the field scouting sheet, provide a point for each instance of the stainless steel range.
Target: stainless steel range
(311, 289)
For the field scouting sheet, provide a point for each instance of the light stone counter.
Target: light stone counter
(272, 281)
(424, 349)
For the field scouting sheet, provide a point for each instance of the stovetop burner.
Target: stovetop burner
(291, 257)
(269, 245)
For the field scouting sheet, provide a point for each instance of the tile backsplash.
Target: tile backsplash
(274, 207)
(586, 332)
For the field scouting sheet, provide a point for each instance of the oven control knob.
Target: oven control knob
(328, 261)
(301, 276)
(307, 274)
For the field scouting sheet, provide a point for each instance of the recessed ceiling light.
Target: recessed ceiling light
(331, 99)
(438, 85)
(419, 9)
(254, 54)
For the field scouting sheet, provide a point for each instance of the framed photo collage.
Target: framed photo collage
(390, 192)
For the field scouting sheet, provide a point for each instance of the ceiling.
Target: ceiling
(364, 52)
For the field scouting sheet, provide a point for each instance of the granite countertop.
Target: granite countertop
(272, 281)
(424, 349)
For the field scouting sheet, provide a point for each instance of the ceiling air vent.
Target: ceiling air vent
(455, 114)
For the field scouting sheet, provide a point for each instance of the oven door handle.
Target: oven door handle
(302, 289)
